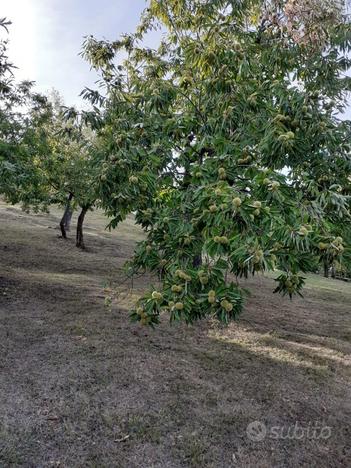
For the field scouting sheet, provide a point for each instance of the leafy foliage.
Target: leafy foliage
(46, 152)
(225, 140)
(21, 110)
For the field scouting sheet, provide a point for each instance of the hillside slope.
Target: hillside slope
(83, 387)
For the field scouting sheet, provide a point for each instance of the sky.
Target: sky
(46, 38)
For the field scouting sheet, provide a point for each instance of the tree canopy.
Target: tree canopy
(227, 141)
(21, 110)
(47, 152)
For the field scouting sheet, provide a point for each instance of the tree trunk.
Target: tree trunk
(326, 270)
(66, 218)
(79, 236)
(333, 273)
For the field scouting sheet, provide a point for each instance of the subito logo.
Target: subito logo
(256, 431)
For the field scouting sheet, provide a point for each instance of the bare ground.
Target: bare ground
(83, 387)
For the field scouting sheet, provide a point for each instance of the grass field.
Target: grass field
(81, 386)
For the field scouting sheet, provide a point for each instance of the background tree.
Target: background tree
(68, 166)
(21, 109)
(45, 157)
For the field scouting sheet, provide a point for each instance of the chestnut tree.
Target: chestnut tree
(226, 140)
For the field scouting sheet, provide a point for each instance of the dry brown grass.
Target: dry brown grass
(83, 387)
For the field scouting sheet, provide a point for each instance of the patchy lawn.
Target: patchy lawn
(83, 387)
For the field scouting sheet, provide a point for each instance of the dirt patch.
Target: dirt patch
(83, 387)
